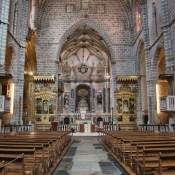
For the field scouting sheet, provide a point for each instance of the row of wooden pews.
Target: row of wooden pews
(144, 152)
(31, 153)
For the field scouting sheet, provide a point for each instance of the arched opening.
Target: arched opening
(83, 97)
(161, 88)
(99, 119)
(66, 120)
(144, 101)
(85, 68)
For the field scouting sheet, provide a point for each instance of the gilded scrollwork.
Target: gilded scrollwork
(45, 104)
(125, 105)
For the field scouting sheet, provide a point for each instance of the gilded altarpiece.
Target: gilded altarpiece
(45, 105)
(125, 106)
(28, 99)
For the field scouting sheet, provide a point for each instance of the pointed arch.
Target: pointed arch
(137, 55)
(93, 26)
(155, 59)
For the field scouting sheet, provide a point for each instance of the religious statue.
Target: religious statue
(66, 100)
(119, 105)
(99, 99)
(82, 104)
(125, 106)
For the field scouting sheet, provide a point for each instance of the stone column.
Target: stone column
(4, 15)
(166, 32)
(150, 86)
(20, 76)
(34, 14)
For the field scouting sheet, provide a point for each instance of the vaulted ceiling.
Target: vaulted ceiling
(85, 38)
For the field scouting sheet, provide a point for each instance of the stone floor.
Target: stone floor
(87, 156)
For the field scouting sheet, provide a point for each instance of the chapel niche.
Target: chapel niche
(125, 107)
(83, 98)
(45, 105)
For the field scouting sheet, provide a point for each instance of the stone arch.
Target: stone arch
(10, 58)
(14, 59)
(138, 52)
(155, 60)
(93, 26)
(44, 3)
(128, 13)
(12, 45)
(143, 93)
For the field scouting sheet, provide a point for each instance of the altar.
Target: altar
(82, 119)
(87, 128)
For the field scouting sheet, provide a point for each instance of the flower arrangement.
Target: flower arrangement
(73, 126)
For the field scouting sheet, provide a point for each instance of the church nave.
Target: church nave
(87, 156)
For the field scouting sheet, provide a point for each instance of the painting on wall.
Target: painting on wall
(39, 105)
(51, 118)
(131, 106)
(51, 106)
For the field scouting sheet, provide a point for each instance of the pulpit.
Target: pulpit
(54, 126)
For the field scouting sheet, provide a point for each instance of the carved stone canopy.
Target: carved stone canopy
(127, 79)
(44, 78)
(125, 89)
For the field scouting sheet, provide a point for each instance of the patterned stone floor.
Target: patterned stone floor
(87, 156)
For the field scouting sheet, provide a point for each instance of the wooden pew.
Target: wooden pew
(52, 143)
(150, 159)
(123, 144)
(133, 148)
(166, 164)
(15, 165)
(39, 153)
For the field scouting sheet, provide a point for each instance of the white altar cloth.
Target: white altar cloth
(87, 127)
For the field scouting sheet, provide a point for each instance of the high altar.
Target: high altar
(84, 121)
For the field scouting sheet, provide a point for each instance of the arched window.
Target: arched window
(138, 13)
(154, 12)
(15, 18)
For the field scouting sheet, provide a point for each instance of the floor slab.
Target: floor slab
(87, 156)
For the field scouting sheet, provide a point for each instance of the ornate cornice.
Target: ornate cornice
(124, 79)
(44, 78)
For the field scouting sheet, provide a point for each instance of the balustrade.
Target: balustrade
(106, 127)
(15, 128)
(4, 104)
(167, 104)
(161, 128)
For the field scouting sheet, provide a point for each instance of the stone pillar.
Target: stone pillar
(4, 15)
(138, 100)
(166, 32)
(20, 76)
(104, 100)
(34, 14)
(150, 86)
